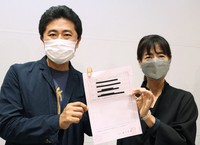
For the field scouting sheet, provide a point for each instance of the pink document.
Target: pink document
(113, 112)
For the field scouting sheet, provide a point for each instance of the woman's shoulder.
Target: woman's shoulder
(178, 92)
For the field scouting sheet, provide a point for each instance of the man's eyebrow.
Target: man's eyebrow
(52, 31)
(67, 31)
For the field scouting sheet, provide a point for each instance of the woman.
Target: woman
(168, 115)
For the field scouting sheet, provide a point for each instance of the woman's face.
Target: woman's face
(155, 64)
(154, 54)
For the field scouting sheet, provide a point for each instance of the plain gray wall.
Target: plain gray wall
(111, 32)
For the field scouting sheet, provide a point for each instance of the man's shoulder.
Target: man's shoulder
(27, 66)
(74, 71)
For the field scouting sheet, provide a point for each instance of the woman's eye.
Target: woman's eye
(147, 57)
(161, 56)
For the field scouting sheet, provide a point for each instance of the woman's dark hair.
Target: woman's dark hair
(56, 12)
(150, 41)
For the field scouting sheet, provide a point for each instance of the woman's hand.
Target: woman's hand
(144, 100)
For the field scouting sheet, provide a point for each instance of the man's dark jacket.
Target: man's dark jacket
(28, 108)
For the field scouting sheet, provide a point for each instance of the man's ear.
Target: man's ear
(77, 44)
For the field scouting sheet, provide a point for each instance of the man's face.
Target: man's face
(60, 29)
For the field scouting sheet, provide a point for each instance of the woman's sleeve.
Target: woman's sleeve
(183, 131)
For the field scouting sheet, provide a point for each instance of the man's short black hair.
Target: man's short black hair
(56, 12)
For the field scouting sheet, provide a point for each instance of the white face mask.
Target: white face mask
(60, 50)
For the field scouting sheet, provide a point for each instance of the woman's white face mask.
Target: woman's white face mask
(60, 50)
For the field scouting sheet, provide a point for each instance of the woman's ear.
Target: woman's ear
(170, 60)
(139, 62)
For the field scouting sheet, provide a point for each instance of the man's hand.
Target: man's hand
(72, 113)
(89, 71)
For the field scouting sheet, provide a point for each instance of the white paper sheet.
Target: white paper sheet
(113, 112)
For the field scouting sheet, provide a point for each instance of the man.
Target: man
(43, 102)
